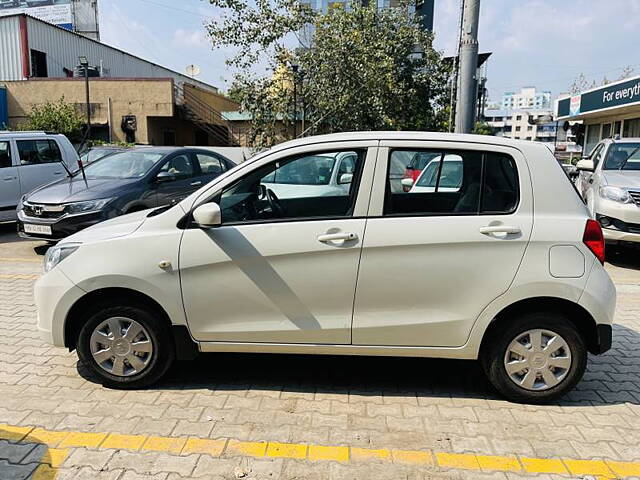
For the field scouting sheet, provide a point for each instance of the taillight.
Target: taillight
(594, 239)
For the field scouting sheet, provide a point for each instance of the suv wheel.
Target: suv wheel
(126, 346)
(537, 359)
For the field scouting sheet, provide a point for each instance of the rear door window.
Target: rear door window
(456, 183)
(35, 152)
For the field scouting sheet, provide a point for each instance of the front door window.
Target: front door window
(304, 187)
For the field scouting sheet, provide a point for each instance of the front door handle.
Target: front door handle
(337, 237)
(196, 183)
(500, 229)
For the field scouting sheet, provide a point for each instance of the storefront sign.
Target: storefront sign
(622, 93)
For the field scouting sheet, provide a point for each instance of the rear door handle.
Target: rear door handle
(337, 237)
(195, 184)
(500, 229)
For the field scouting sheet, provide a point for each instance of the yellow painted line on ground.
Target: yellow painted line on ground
(20, 260)
(60, 442)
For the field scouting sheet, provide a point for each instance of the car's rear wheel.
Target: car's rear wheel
(126, 346)
(538, 358)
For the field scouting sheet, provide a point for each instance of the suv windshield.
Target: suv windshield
(623, 156)
(124, 165)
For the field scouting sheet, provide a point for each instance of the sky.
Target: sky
(541, 43)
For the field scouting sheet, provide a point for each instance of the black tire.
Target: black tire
(494, 354)
(162, 356)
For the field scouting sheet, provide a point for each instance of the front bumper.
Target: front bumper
(55, 294)
(60, 227)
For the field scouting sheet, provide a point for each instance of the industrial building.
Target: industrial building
(131, 99)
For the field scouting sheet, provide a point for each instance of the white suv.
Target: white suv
(609, 181)
(507, 268)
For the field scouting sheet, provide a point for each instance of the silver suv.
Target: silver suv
(28, 160)
(609, 182)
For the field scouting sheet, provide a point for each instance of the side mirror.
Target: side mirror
(208, 215)
(407, 184)
(165, 177)
(345, 178)
(585, 165)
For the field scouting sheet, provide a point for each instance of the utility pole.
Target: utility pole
(468, 61)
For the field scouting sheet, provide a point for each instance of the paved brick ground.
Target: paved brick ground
(375, 403)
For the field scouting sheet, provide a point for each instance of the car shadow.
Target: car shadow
(388, 376)
(25, 454)
(624, 256)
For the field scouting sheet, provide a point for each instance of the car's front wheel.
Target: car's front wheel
(126, 346)
(536, 359)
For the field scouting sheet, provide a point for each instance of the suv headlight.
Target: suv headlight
(85, 207)
(58, 253)
(616, 194)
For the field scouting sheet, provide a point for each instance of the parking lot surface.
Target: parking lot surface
(303, 417)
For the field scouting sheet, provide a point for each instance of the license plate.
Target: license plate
(38, 229)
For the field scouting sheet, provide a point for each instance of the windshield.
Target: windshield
(623, 156)
(133, 164)
(96, 154)
(451, 174)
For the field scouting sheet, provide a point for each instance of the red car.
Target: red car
(416, 165)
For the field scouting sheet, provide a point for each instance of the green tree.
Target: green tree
(59, 117)
(482, 128)
(363, 69)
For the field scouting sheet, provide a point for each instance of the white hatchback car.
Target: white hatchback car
(506, 269)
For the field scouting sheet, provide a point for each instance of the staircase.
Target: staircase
(204, 116)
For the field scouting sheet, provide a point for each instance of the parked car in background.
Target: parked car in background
(609, 182)
(96, 153)
(432, 179)
(29, 160)
(120, 183)
(479, 272)
(418, 162)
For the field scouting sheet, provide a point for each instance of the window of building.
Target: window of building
(5, 155)
(518, 117)
(39, 64)
(298, 187)
(631, 128)
(34, 152)
(592, 137)
(458, 183)
(518, 128)
(606, 130)
(529, 128)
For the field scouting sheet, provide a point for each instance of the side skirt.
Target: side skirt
(462, 353)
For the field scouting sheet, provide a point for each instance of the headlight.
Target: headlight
(58, 253)
(616, 194)
(84, 207)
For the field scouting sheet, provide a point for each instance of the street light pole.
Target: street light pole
(294, 68)
(468, 61)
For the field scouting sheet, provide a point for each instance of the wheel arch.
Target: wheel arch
(186, 347)
(578, 315)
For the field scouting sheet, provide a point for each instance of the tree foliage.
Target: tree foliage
(482, 128)
(362, 69)
(57, 117)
